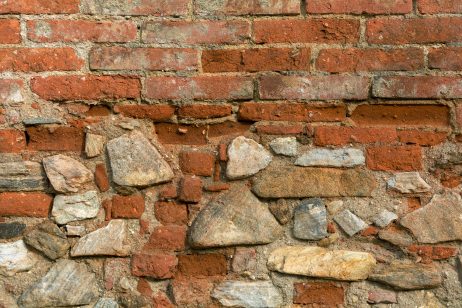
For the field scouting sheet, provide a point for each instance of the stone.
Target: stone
(396, 236)
(247, 294)
(11, 230)
(439, 221)
(384, 218)
(106, 303)
(286, 146)
(67, 283)
(284, 182)
(75, 230)
(244, 260)
(334, 207)
(408, 183)
(22, 176)
(407, 276)
(245, 158)
(310, 220)
(321, 262)
(382, 297)
(75, 207)
(94, 145)
(15, 257)
(349, 222)
(41, 121)
(66, 175)
(282, 210)
(111, 240)
(332, 158)
(235, 218)
(49, 239)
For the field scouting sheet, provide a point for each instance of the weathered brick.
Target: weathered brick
(394, 158)
(12, 141)
(157, 265)
(39, 7)
(9, 31)
(60, 138)
(152, 112)
(439, 6)
(321, 293)
(341, 135)
(306, 31)
(359, 60)
(42, 31)
(127, 206)
(11, 91)
(25, 204)
(197, 163)
(196, 32)
(359, 7)
(168, 192)
(256, 59)
(314, 87)
(195, 292)
(429, 253)
(227, 128)
(101, 178)
(445, 58)
(294, 129)
(216, 187)
(190, 189)
(136, 8)
(202, 265)
(88, 87)
(181, 134)
(167, 238)
(171, 213)
(422, 138)
(199, 87)
(208, 8)
(203, 111)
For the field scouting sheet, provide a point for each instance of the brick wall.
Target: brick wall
(210, 153)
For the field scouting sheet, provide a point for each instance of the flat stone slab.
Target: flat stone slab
(76, 207)
(310, 220)
(248, 294)
(384, 218)
(49, 239)
(349, 222)
(66, 174)
(22, 176)
(332, 158)
(408, 183)
(15, 257)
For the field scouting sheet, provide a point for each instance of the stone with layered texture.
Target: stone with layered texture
(332, 158)
(384, 218)
(66, 174)
(15, 257)
(22, 176)
(349, 222)
(286, 146)
(75, 207)
(94, 145)
(310, 220)
(235, 218)
(322, 263)
(136, 162)
(49, 239)
(408, 183)
(248, 294)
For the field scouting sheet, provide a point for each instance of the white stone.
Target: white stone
(66, 174)
(331, 158)
(385, 218)
(94, 145)
(248, 294)
(15, 257)
(349, 222)
(285, 146)
(76, 207)
(408, 183)
(75, 230)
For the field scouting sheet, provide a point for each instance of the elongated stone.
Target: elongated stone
(22, 176)
(76, 207)
(310, 220)
(349, 222)
(66, 174)
(332, 158)
(15, 257)
(322, 263)
(248, 294)
(49, 239)
(408, 183)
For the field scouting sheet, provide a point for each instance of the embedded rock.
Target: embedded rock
(396, 236)
(310, 220)
(284, 146)
(408, 183)
(245, 158)
(11, 230)
(94, 145)
(349, 222)
(76, 207)
(282, 210)
(106, 303)
(384, 218)
(332, 158)
(322, 262)
(22, 176)
(49, 239)
(136, 162)
(66, 175)
(248, 294)
(14, 258)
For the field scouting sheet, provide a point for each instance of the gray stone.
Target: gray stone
(384, 218)
(15, 257)
(438, 221)
(106, 303)
(111, 240)
(398, 237)
(310, 220)
(407, 276)
(67, 283)
(66, 175)
(76, 207)
(11, 230)
(382, 297)
(136, 162)
(301, 182)
(245, 158)
(408, 183)
(349, 222)
(282, 210)
(235, 218)
(41, 121)
(285, 146)
(22, 176)
(332, 158)
(248, 294)
(49, 239)
(94, 145)
(75, 230)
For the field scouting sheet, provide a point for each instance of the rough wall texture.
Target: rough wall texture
(209, 153)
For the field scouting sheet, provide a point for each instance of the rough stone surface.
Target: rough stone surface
(349, 222)
(49, 239)
(398, 237)
(245, 158)
(111, 240)
(94, 145)
(438, 221)
(384, 218)
(67, 283)
(312, 261)
(332, 158)
(235, 218)
(382, 297)
(282, 210)
(136, 162)
(285, 146)
(75, 230)
(66, 174)
(106, 303)
(408, 183)
(248, 294)
(11, 230)
(15, 257)
(22, 176)
(310, 220)
(75, 207)
(284, 182)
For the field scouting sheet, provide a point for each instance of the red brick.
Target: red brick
(193, 292)
(155, 265)
(202, 265)
(394, 158)
(147, 59)
(429, 253)
(422, 138)
(98, 111)
(161, 300)
(127, 206)
(101, 178)
(227, 129)
(223, 152)
(255, 60)
(11, 91)
(39, 7)
(10, 32)
(295, 129)
(216, 187)
(401, 115)
(314, 87)
(439, 6)
(181, 134)
(252, 7)
(12, 141)
(445, 58)
(60, 138)
(398, 31)
(370, 231)
(196, 32)
(168, 192)
(203, 111)
(167, 238)
(152, 112)
(130, 7)
(171, 213)
(373, 59)
(359, 7)
(48, 30)
(199, 87)
(197, 163)
(25, 204)
(322, 293)
(341, 135)
(325, 30)
(261, 111)
(191, 189)
(86, 87)
(413, 204)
